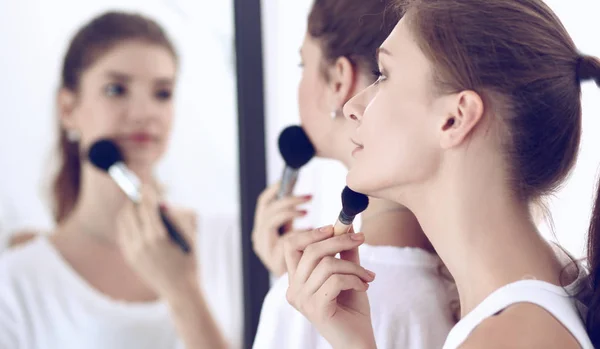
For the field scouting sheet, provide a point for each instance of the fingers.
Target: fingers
(287, 203)
(294, 245)
(314, 253)
(268, 194)
(274, 214)
(308, 303)
(149, 219)
(337, 283)
(330, 266)
(185, 221)
(281, 218)
(351, 254)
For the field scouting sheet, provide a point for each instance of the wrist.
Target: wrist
(370, 344)
(183, 291)
(361, 343)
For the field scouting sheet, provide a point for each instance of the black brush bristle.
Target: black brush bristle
(353, 203)
(104, 153)
(295, 147)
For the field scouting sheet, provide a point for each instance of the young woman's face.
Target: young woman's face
(127, 96)
(396, 137)
(317, 101)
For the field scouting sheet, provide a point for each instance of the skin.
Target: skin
(385, 223)
(121, 250)
(448, 157)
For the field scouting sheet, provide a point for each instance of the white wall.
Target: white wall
(284, 27)
(200, 170)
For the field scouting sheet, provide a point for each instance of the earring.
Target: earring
(335, 113)
(73, 136)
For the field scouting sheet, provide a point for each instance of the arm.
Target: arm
(193, 319)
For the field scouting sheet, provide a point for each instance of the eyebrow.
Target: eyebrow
(126, 78)
(118, 76)
(383, 50)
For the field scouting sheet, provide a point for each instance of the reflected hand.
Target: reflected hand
(270, 215)
(146, 245)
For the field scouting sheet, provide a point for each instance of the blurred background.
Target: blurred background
(202, 167)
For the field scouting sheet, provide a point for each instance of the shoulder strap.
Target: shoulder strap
(552, 298)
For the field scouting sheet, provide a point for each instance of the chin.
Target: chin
(141, 165)
(369, 185)
(356, 183)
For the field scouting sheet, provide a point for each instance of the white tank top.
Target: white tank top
(552, 298)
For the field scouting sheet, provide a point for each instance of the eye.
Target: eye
(379, 76)
(115, 90)
(164, 95)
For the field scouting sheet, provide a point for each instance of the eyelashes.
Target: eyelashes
(379, 75)
(114, 90)
(164, 95)
(118, 90)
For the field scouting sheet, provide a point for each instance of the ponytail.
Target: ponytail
(588, 68)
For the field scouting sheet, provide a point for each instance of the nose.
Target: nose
(141, 109)
(355, 107)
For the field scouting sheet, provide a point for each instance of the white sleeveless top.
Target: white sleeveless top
(552, 298)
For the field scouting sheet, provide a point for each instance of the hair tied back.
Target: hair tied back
(588, 68)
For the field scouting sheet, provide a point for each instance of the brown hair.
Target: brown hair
(87, 46)
(520, 58)
(353, 29)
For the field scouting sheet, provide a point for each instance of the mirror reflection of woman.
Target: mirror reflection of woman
(109, 277)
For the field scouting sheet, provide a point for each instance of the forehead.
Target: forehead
(310, 46)
(401, 42)
(137, 59)
(406, 62)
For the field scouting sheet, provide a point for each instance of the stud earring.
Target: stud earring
(73, 136)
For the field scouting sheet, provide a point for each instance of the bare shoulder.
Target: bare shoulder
(522, 325)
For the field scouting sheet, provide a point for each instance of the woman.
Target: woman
(478, 105)
(109, 277)
(412, 299)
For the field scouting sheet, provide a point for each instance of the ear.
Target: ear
(66, 100)
(465, 112)
(342, 80)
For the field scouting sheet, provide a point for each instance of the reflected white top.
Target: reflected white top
(44, 303)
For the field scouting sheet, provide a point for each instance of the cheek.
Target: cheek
(314, 117)
(98, 119)
(399, 147)
(306, 100)
(165, 119)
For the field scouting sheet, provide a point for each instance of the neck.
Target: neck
(485, 236)
(98, 205)
(386, 223)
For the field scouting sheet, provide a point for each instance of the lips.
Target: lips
(358, 148)
(140, 137)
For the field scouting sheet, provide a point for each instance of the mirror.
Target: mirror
(199, 170)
